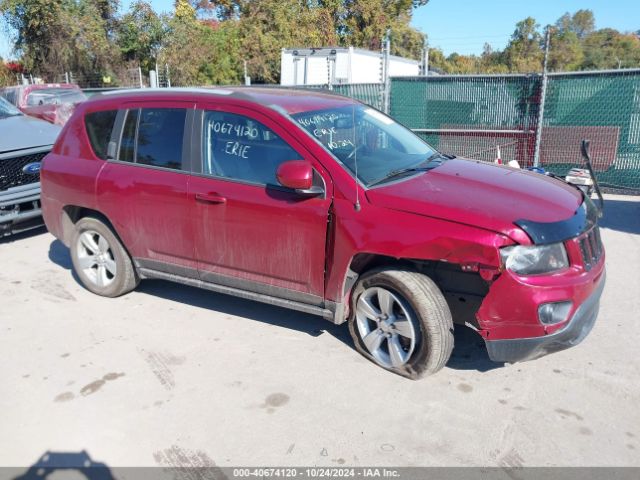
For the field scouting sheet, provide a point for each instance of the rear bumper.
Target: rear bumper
(578, 327)
(20, 209)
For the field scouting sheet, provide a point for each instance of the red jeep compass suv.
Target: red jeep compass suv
(319, 203)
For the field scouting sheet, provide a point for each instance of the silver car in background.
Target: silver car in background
(24, 141)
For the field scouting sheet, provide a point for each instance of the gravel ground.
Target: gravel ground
(175, 376)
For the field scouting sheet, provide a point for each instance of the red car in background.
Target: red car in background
(53, 102)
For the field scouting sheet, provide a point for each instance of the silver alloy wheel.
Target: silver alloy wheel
(385, 326)
(96, 259)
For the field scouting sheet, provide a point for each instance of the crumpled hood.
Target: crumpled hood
(21, 132)
(480, 194)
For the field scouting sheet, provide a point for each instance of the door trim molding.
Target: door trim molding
(229, 281)
(238, 287)
(237, 292)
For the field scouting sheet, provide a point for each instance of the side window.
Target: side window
(99, 126)
(159, 137)
(235, 146)
(153, 136)
(128, 140)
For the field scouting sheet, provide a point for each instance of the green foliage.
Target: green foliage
(566, 52)
(524, 52)
(608, 48)
(140, 33)
(6, 77)
(203, 42)
(266, 27)
(581, 23)
(207, 42)
(198, 53)
(58, 35)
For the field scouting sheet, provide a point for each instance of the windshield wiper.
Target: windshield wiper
(434, 160)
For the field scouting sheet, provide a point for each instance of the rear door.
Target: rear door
(144, 187)
(251, 233)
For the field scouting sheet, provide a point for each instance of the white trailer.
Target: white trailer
(340, 65)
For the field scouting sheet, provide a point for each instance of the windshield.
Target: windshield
(55, 96)
(7, 110)
(357, 132)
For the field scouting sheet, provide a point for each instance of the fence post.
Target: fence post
(140, 76)
(153, 79)
(543, 98)
(247, 80)
(166, 69)
(387, 84)
(425, 59)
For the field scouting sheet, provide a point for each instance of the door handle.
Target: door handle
(210, 198)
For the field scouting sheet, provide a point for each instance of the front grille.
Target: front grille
(591, 247)
(11, 174)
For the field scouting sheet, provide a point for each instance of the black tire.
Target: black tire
(431, 319)
(125, 278)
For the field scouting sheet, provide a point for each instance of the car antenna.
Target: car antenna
(355, 155)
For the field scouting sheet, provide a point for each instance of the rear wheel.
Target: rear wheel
(401, 321)
(100, 261)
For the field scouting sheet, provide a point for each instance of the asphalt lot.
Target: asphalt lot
(174, 376)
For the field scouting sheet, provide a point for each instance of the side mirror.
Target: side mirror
(298, 175)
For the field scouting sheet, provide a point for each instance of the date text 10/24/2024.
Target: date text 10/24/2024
(317, 472)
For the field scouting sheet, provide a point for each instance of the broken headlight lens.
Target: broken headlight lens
(534, 259)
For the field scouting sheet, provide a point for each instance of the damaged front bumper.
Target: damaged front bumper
(20, 209)
(578, 327)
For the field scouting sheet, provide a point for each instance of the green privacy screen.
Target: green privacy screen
(473, 115)
(604, 108)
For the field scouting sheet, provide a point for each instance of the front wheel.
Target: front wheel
(401, 321)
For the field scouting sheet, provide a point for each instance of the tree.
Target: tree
(363, 23)
(140, 33)
(492, 61)
(266, 28)
(462, 64)
(37, 27)
(524, 51)
(582, 23)
(607, 48)
(565, 50)
(200, 53)
(437, 60)
(6, 78)
(54, 36)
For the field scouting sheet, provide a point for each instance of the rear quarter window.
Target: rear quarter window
(99, 126)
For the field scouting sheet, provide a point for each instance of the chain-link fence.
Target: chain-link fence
(129, 77)
(369, 93)
(537, 120)
(125, 78)
(603, 107)
(470, 115)
(473, 115)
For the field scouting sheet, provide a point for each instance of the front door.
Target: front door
(252, 233)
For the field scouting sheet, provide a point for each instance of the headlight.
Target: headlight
(536, 259)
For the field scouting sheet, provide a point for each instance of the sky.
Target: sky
(464, 26)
